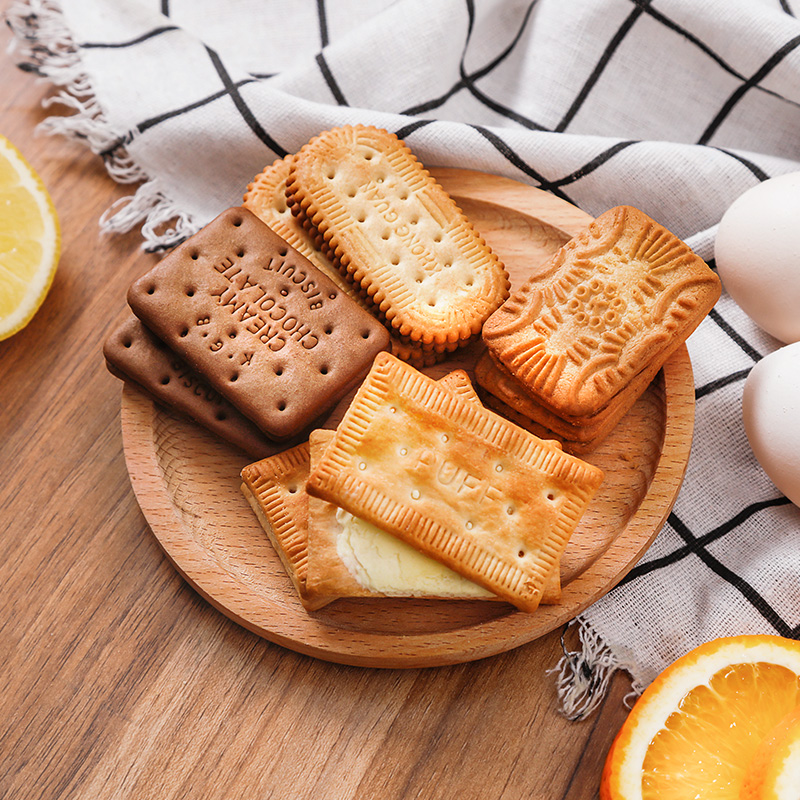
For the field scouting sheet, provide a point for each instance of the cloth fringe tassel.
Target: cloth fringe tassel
(584, 674)
(44, 40)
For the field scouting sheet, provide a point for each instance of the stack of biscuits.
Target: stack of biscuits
(349, 267)
(241, 332)
(572, 350)
(421, 492)
(357, 202)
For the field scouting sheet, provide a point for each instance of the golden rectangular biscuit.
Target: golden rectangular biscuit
(269, 331)
(620, 297)
(304, 530)
(266, 198)
(398, 234)
(483, 496)
(345, 553)
(275, 488)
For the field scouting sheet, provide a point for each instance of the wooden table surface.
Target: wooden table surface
(117, 680)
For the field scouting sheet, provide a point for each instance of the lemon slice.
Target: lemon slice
(30, 240)
(698, 726)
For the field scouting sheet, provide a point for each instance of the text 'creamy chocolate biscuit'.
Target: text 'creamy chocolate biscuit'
(457, 482)
(266, 198)
(135, 355)
(619, 297)
(398, 235)
(261, 323)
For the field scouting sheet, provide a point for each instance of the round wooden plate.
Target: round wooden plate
(187, 484)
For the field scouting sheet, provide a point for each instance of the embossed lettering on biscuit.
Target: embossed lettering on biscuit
(259, 321)
(398, 235)
(266, 198)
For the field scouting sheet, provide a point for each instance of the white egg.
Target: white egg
(758, 255)
(771, 413)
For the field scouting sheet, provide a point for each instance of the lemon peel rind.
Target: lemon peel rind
(623, 777)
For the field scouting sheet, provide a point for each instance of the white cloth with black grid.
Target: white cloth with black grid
(673, 106)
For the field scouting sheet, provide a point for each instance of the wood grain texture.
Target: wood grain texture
(118, 680)
(187, 484)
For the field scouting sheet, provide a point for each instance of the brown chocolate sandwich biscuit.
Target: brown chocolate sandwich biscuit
(385, 221)
(457, 482)
(618, 298)
(270, 332)
(135, 355)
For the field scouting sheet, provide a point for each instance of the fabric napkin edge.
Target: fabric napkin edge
(42, 37)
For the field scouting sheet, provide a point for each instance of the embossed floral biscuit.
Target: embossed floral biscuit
(135, 355)
(259, 321)
(266, 198)
(398, 234)
(459, 483)
(619, 297)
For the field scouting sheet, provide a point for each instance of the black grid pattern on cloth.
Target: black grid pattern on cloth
(469, 81)
(698, 545)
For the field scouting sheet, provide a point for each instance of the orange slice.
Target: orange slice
(774, 772)
(30, 240)
(697, 727)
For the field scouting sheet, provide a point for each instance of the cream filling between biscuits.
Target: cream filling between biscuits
(383, 563)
